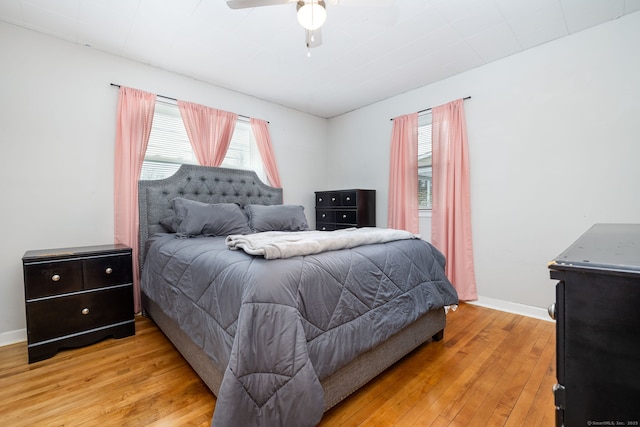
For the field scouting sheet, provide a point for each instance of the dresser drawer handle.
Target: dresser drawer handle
(85, 311)
(552, 311)
(320, 199)
(348, 199)
(108, 270)
(333, 199)
(344, 216)
(55, 277)
(324, 215)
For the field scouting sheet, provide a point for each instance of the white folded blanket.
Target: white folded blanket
(282, 244)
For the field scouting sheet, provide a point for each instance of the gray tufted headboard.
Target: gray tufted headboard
(201, 183)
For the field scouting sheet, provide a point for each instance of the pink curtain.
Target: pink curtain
(133, 126)
(263, 140)
(451, 214)
(403, 174)
(209, 131)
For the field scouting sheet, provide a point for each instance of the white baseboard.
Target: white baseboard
(12, 337)
(513, 307)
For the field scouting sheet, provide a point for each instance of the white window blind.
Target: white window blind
(169, 146)
(425, 175)
(243, 152)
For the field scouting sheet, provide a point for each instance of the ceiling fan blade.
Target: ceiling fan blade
(245, 4)
(313, 38)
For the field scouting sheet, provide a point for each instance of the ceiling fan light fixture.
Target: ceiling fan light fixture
(312, 14)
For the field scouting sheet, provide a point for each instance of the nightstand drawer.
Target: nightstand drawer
(105, 271)
(57, 317)
(52, 278)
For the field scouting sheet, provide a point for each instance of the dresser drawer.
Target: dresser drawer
(60, 316)
(322, 199)
(327, 226)
(42, 279)
(348, 198)
(108, 270)
(323, 215)
(328, 199)
(346, 217)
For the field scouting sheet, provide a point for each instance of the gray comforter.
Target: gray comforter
(278, 327)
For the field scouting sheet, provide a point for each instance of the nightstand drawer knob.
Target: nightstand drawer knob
(319, 199)
(55, 277)
(348, 199)
(333, 199)
(344, 216)
(108, 270)
(85, 311)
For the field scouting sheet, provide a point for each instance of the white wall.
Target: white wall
(554, 141)
(553, 136)
(57, 129)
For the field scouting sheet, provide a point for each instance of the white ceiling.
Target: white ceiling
(369, 53)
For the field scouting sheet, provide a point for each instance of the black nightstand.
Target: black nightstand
(76, 297)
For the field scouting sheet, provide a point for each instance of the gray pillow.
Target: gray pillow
(179, 206)
(276, 218)
(171, 223)
(194, 218)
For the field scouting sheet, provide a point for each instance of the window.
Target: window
(425, 174)
(169, 146)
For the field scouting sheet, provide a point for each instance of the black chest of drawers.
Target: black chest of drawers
(76, 297)
(597, 312)
(345, 208)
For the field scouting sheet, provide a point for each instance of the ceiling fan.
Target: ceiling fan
(311, 14)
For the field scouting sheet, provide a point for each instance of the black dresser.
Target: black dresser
(345, 208)
(597, 312)
(77, 296)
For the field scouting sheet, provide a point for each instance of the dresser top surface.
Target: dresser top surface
(352, 190)
(603, 247)
(74, 252)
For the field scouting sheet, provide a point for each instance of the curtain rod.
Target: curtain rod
(429, 109)
(173, 99)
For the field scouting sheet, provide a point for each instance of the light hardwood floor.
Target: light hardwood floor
(491, 369)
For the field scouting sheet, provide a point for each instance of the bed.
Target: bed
(280, 341)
